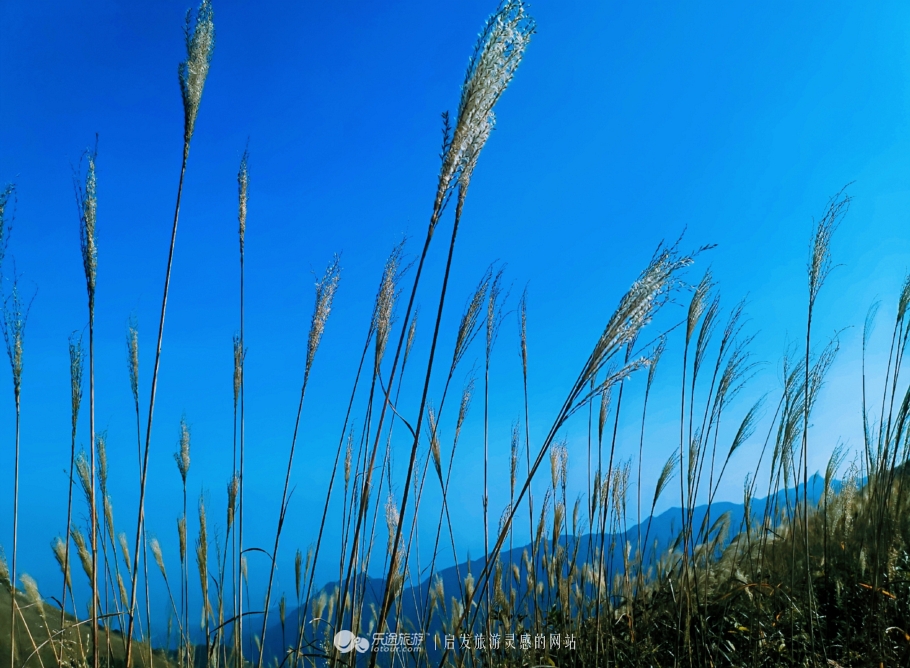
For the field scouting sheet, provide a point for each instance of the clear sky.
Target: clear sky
(626, 124)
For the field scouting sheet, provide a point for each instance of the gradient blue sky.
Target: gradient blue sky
(626, 123)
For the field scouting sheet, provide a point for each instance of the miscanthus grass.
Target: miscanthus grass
(797, 580)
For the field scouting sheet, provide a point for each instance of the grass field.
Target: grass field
(794, 582)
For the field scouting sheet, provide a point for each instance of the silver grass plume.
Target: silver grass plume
(87, 198)
(59, 548)
(15, 316)
(666, 475)
(411, 331)
(469, 326)
(82, 551)
(497, 54)
(392, 517)
(126, 551)
(243, 185)
(238, 367)
(31, 591)
(233, 488)
(434, 440)
(101, 445)
(513, 459)
(325, 294)
(385, 302)
(83, 470)
(697, 305)
(4, 570)
(466, 396)
(202, 560)
(348, 457)
(156, 553)
(298, 575)
(8, 193)
(109, 514)
(820, 258)
(192, 72)
(182, 456)
(132, 356)
(181, 535)
(635, 310)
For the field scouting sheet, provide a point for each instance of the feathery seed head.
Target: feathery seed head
(904, 300)
(523, 330)
(4, 570)
(466, 395)
(820, 253)
(83, 470)
(156, 552)
(243, 184)
(109, 514)
(77, 356)
(233, 488)
(192, 72)
(181, 534)
(124, 599)
(202, 558)
(697, 305)
(385, 302)
(8, 193)
(635, 310)
(60, 554)
(513, 460)
(392, 517)
(469, 325)
(182, 456)
(434, 439)
(348, 457)
(238, 367)
(325, 294)
(15, 316)
(87, 197)
(494, 311)
(100, 444)
(298, 575)
(31, 591)
(124, 548)
(497, 54)
(82, 551)
(132, 356)
(411, 331)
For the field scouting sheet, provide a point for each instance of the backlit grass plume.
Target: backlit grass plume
(496, 57)
(7, 195)
(325, 294)
(87, 198)
(200, 41)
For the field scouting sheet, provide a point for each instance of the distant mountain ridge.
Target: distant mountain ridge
(662, 530)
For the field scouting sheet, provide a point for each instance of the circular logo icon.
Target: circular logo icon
(346, 642)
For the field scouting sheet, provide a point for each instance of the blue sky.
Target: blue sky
(626, 124)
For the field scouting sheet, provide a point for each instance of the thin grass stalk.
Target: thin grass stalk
(243, 183)
(325, 293)
(818, 269)
(86, 199)
(76, 356)
(192, 73)
(387, 594)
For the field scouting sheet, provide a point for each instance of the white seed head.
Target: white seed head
(192, 72)
(325, 294)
